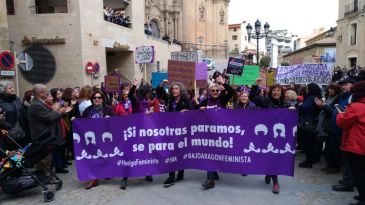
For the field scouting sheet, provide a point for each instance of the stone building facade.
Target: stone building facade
(198, 24)
(74, 32)
(350, 34)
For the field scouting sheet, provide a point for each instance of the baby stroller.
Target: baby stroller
(15, 175)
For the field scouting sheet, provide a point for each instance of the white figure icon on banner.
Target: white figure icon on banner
(107, 135)
(261, 128)
(252, 148)
(90, 135)
(76, 137)
(281, 127)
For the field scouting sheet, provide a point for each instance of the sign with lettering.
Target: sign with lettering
(42, 41)
(262, 142)
(145, 54)
(194, 56)
(304, 74)
(112, 84)
(186, 72)
(235, 66)
(249, 76)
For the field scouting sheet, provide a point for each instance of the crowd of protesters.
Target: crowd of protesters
(330, 124)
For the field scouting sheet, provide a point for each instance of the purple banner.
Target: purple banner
(233, 141)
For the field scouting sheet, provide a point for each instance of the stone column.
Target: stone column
(4, 32)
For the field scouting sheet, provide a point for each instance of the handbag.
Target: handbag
(16, 133)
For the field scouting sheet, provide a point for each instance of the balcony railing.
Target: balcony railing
(354, 7)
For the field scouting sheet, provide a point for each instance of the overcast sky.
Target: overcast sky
(298, 16)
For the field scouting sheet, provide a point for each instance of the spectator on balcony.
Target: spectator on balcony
(127, 22)
(107, 16)
(166, 38)
(147, 29)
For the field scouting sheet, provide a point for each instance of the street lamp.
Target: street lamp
(257, 35)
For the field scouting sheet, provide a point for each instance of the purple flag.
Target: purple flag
(233, 141)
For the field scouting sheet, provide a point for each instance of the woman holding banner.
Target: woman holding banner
(177, 101)
(139, 99)
(216, 100)
(97, 109)
(275, 99)
(244, 101)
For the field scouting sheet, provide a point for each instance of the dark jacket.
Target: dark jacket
(138, 105)
(107, 111)
(250, 105)
(42, 118)
(325, 116)
(308, 110)
(264, 101)
(13, 108)
(183, 104)
(223, 98)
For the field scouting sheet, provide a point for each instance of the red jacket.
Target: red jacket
(353, 124)
(120, 110)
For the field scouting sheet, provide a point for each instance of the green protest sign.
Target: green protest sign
(249, 76)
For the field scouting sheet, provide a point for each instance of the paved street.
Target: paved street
(308, 187)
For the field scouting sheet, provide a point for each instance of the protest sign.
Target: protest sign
(145, 54)
(270, 78)
(249, 76)
(186, 72)
(262, 142)
(304, 74)
(235, 66)
(157, 78)
(112, 84)
(194, 56)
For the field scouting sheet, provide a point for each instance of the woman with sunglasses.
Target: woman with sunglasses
(275, 99)
(177, 101)
(217, 100)
(97, 109)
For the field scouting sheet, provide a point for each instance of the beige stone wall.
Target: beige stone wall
(88, 37)
(4, 33)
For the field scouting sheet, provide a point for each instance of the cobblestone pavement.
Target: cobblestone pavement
(308, 187)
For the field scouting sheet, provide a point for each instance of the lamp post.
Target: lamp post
(257, 35)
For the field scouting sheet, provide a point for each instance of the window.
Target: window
(234, 30)
(48, 6)
(235, 37)
(236, 47)
(10, 7)
(353, 31)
